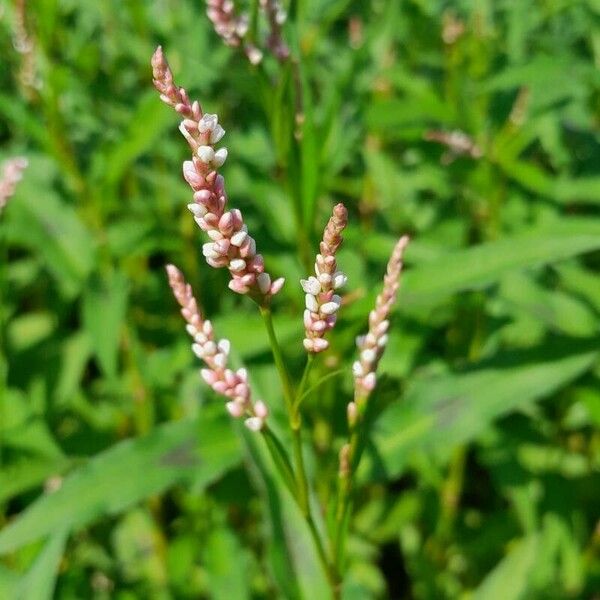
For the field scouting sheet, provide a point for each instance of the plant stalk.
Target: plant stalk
(295, 421)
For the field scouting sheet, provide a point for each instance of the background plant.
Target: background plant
(483, 470)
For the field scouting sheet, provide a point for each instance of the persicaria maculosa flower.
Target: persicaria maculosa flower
(372, 345)
(12, 173)
(322, 303)
(215, 354)
(230, 245)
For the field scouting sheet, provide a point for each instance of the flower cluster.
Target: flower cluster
(12, 173)
(276, 17)
(215, 354)
(372, 345)
(232, 28)
(24, 44)
(231, 246)
(322, 303)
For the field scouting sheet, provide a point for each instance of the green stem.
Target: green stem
(3, 350)
(307, 368)
(346, 484)
(295, 421)
(293, 414)
(281, 460)
(288, 390)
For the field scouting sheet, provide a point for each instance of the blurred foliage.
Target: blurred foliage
(120, 475)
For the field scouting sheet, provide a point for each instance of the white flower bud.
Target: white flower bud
(237, 239)
(369, 382)
(254, 55)
(207, 123)
(264, 282)
(208, 376)
(214, 234)
(198, 210)
(209, 251)
(311, 285)
(368, 355)
(254, 423)
(224, 346)
(319, 344)
(206, 154)
(339, 280)
(311, 303)
(217, 134)
(382, 327)
(325, 278)
(220, 360)
(237, 265)
(220, 157)
(235, 409)
(329, 308)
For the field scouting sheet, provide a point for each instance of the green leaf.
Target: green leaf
(130, 471)
(9, 581)
(441, 411)
(510, 579)
(225, 562)
(292, 554)
(51, 228)
(148, 122)
(27, 472)
(40, 580)
(104, 307)
(559, 311)
(482, 265)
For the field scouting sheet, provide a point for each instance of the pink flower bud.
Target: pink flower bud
(235, 409)
(261, 410)
(277, 285)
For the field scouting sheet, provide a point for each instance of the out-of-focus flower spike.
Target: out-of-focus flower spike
(321, 302)
(372, 345)
(231, 384)
(12, 173)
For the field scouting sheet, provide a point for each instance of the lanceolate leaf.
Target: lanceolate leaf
(482, 265)
(509, 580)
(40, 580)
(104, 307)
(201, 449)
(441, 411)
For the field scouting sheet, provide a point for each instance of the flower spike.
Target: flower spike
(372, 345)
(322, 303)
(232, 28)
(12, 173)
(230, 244)
(215, 354)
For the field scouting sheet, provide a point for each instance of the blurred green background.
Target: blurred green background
(122, 477)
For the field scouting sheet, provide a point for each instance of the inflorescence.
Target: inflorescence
(231, 245)
(322, 303)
